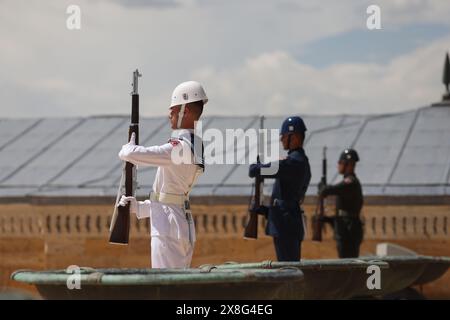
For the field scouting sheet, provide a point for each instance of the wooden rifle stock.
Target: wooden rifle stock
(120, 224)
(251, 229)
(317, 221)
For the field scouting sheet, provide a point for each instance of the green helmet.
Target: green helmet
(349, 155)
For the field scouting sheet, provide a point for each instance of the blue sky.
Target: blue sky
(365, 46)
(253, 56)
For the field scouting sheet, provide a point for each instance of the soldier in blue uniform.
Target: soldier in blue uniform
(285, 221)
(348, 228)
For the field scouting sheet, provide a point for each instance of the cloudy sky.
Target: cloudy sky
(253, 57)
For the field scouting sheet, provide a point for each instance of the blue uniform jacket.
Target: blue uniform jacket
(291, 182)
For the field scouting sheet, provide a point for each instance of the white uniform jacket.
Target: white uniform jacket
(172, 177)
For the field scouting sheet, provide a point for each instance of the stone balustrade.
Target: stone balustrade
(227, 223)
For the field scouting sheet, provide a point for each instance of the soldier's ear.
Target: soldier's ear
(300, 137)
(188, 109)
(195, 108)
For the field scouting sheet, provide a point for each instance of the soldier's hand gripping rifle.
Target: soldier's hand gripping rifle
(251, 229)
(317, 221)
(120, 223)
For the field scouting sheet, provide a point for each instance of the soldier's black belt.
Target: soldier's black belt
(344, 213)
(286, 203)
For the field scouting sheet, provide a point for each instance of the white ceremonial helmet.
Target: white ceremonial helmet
(187, 92)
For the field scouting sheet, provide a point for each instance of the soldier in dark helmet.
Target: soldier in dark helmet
(348, 230)
(285, 221)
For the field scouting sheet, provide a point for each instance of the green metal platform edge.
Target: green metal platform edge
(118, 277)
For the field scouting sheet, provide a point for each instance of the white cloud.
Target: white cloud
(240, 49)
(414, 11)
(275, 83)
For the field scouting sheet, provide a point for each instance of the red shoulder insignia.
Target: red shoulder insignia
(174, 142)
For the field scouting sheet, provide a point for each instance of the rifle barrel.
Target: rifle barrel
(120, 231)
(251, 229)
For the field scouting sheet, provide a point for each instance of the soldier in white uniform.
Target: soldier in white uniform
(179, 162)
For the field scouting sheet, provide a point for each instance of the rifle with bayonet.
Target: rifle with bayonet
(318, 221)
(251, 229)
(120, 223)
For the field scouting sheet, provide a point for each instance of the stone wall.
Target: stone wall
(36, 236)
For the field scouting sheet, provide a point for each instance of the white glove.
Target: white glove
(134, 207)
(127, 148)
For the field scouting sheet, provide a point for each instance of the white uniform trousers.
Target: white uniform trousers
(169, 252)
